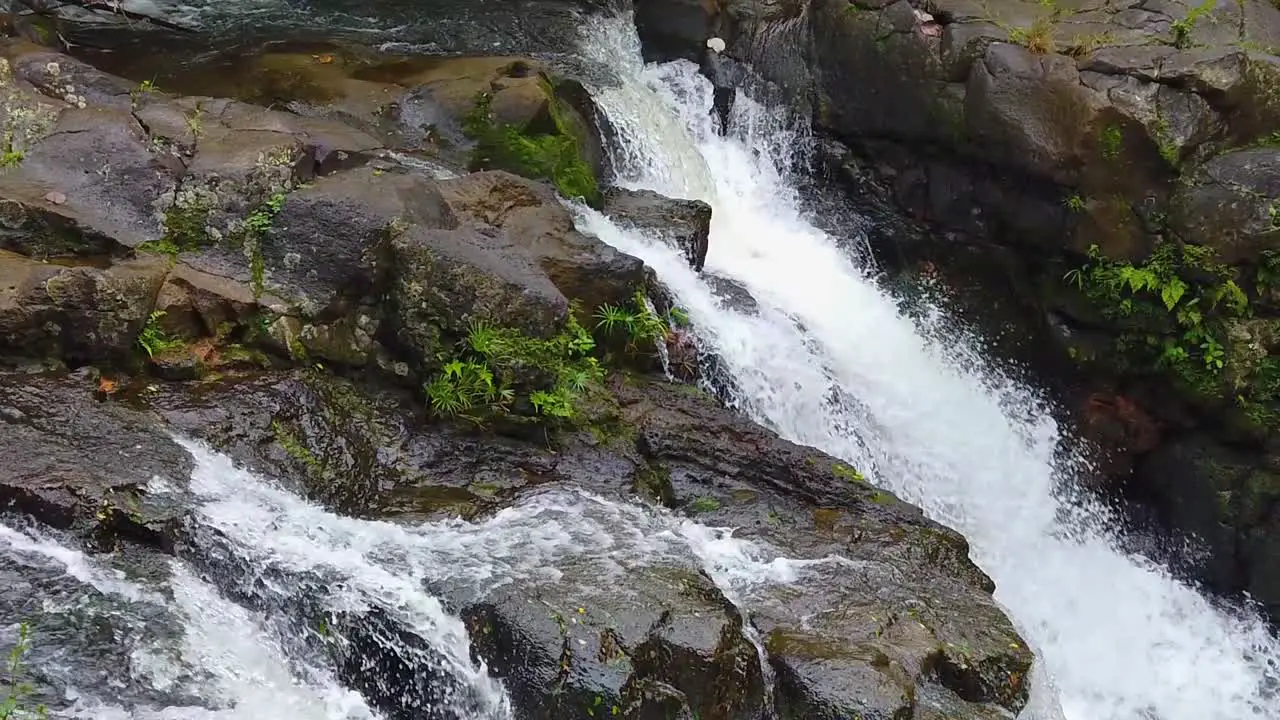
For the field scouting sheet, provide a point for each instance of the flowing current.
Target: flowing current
(828, 359)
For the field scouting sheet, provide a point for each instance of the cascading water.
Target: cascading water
(829, 360)
(288, 572)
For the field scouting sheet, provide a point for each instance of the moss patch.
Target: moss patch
(555, 156)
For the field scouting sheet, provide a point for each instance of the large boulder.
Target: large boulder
(74, 461)
(80, 313)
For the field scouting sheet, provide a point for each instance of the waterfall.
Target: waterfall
(828, 359)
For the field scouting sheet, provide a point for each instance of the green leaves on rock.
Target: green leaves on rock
(556, 156)
(498, 370)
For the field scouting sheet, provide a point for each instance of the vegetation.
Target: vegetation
(1110, 142)
(495, 366)
(184, 229)
(255, 228)
(500, 370)
(704, 505)
(1175, 312)
(12, 705)
(635, 323)
(1182, 28)
(153, 339)
(554, 156)
(1038, 38)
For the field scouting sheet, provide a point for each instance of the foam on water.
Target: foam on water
(831, 360)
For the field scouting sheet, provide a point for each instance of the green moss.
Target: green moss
(294, 448)
(185, 228)
(555, 156)
(654, 482)
(704, 505)
(845, 472)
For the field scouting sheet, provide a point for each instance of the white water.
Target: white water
(1118, 637)
(223, 654)
(242, 663)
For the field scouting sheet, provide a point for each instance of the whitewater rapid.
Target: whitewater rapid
(830, 360)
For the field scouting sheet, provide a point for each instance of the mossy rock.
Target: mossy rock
(527, 127)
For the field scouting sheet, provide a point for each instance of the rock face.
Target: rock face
(1036, 131)
(249, 253)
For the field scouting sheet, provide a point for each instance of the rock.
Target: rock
(1222, 499)
(1230, 204)
(81, 313)
(75, 461)
(683, 224)
(664, 623)
(529, 216)
(116, 189)
(660, 633)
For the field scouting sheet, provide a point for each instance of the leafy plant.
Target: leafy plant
(636, 321)
(11, 707)
(1173, 307)
(494, 367)
(1110, 141)
(1182, 28)
(153, 339)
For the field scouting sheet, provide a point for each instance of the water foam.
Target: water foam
(830, 360)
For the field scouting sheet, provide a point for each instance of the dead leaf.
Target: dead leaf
(55, 197)
(324, 59)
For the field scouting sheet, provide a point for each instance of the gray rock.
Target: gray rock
(1230, 205)
(683, 224)
(81, 313)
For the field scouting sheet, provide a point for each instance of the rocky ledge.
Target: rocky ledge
(396, 343)
(1111, 168)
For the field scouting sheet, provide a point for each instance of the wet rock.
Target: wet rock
(81, 313)
(1230, 205)
(73, 460)
(572, 648)
(529, 216)
(352, 448)
(683, 224)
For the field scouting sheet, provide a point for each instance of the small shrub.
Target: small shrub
(153, 339)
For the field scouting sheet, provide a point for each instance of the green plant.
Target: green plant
(493, 367)
(153, 339)
(255, 227)
(1172, 308)
(1268, 276)
(11, 706)
(1075, 203)
(636, 321)
(1182, 28)
(1110, 142)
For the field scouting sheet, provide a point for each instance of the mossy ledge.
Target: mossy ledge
(538, 150)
